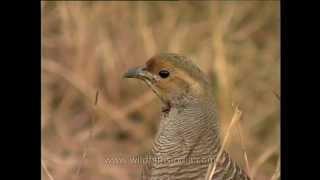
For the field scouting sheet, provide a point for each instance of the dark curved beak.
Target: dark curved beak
(136, 72)
(139, 73)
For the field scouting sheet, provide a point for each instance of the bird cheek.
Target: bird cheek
(162, 87)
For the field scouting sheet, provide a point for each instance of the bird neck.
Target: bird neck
(188, 128)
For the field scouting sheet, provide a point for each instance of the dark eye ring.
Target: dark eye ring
(164, 74)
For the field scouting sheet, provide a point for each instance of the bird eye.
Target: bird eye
(164, 74)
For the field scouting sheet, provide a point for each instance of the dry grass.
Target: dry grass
(212, 167)
(87, 46)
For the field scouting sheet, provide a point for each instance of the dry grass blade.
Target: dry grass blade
(46, 170)
(116, 114)
(276, 94)
(262, 159)
(97, 96)
(221, 64)
(212, 167)
(276, 174)
(146, 32)
(245, 156)
(85, 152)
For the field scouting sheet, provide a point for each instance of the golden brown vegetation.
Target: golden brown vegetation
(87, 46)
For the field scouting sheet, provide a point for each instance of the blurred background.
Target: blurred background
(87, 46)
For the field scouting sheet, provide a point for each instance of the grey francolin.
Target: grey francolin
(187, 140)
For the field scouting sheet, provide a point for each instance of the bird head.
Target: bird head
(173, 78)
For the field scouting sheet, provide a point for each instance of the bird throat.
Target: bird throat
(166, 107)
(186, 130)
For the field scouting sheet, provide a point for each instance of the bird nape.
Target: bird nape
(187, 140)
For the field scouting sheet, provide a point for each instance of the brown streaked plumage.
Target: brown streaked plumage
(188, 136)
